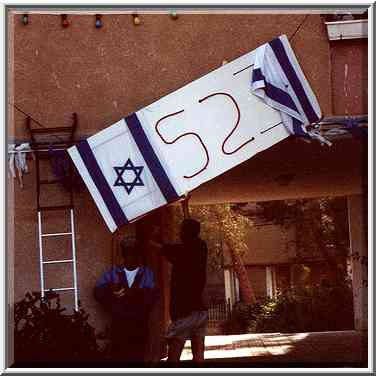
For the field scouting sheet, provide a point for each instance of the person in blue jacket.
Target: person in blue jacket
(128, 293)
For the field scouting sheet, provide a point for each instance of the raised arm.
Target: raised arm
(166, 250)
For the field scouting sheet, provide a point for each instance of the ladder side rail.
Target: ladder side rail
(74, 261)
(41, 271)
(38, 179)
(71, 139)
(70, 182)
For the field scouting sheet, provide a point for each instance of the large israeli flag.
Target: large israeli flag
(156, 155)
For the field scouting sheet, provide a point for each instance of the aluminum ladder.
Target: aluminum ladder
(42, 149)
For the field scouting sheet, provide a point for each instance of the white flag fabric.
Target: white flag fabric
(122, 173)
(158, 154)
(278, 79)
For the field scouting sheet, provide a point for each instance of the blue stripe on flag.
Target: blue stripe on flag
(291, 75)
(151, 159)
(257, 75)
(297, 127)
(101, 183)
(273, 92)
(280, 96)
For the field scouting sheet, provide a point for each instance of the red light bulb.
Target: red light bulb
(64, 21)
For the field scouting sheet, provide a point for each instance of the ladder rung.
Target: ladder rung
(59, 207)
(53, 181)
(41, 147)
(61, 289)
(56, 261)
(57, 234)
(52, 130)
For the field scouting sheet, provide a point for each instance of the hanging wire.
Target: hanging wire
(37, 122)
(32, 150)
(298, 27)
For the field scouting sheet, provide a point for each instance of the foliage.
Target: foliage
(43, 333)
(321, 229)
(308, 309)
(239, 319)
(323, 220)
(220, 225)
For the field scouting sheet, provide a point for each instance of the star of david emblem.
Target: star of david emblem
(129, 166)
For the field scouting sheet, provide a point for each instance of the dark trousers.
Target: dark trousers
(128, 340)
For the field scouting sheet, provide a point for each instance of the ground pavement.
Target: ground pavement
(268, 350)
(317, 349)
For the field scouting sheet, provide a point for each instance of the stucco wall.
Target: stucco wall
(270, 245)
(257, 277)
(349, 61)
(267, 245)
(104, 74)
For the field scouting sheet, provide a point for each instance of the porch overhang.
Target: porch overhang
(294, 169)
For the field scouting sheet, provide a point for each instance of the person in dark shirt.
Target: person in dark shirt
(188, 311)
(128, 292)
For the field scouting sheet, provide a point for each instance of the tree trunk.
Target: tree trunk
(245, 286)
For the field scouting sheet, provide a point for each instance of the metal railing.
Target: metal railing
(220, 311)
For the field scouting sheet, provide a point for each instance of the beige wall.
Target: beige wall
(270, 245)
(257, 277)
(349, 61)
(267, 245)
(104, 74)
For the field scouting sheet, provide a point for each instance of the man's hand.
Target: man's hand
(119, 293)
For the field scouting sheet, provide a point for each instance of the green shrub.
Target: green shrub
(309, 309)
(238, 321)
(313, 308)
(42, 333)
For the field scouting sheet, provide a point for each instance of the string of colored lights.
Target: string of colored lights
(65, 22)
